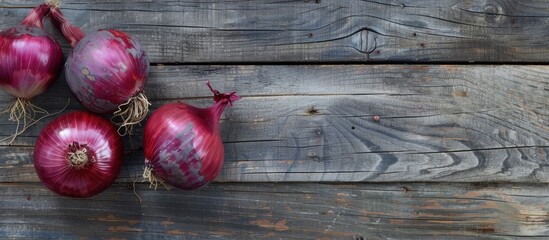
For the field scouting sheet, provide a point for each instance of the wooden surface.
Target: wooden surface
(347, 106)
(316, 123)
(282, 211)
(318, 30)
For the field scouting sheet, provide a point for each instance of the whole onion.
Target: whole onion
(78, 154)
(182, 143)
(107, 71)
(30, 61)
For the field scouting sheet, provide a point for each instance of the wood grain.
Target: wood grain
(347, 144)
(440, 123)
(318, 31)
(281, 211)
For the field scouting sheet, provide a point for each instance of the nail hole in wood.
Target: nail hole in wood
(318, 132)
(314, 157)
(312, 110)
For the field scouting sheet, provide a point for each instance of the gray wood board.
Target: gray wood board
(455, 123)
(280, 211)
(317, 31)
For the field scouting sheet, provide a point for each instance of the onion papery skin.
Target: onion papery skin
(105, 69)
(103, 146)
(30, 59)
(182, 144)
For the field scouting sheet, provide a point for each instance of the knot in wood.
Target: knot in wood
(365, 40)
(492, 12)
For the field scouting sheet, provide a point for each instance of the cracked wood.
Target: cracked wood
(318, 31)
(381, 123)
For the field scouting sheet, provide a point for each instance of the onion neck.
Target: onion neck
(36, 16)
(79, 155)
(221, 101)
(216, 110)
(72, 33)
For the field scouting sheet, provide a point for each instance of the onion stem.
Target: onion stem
(22, 111)
(149, 176)
(79, 157)
(54, 3)
(131, 112)
(72, 33)
(135, 192)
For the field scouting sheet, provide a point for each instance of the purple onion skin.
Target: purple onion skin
(182, 143)
(105, 69)
(53, 145)
(30, 59)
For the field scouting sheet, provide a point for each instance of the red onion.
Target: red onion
(30, 61)
(78, 154)
(107, 71)
(182, 144)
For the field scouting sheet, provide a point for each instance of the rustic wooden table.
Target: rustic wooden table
(460, 149)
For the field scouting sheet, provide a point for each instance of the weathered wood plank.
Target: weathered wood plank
(319, 31)
(316, 123)
(281, 211)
